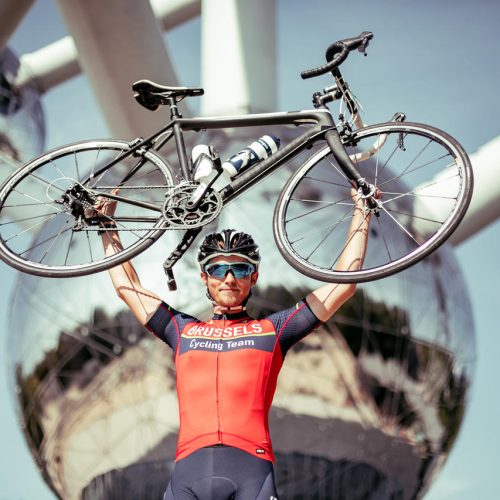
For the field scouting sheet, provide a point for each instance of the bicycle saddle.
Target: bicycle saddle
(151, 95)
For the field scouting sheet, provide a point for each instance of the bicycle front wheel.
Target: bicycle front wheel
(48, 226)
(425, 179)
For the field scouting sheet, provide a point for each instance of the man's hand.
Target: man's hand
(105, 207)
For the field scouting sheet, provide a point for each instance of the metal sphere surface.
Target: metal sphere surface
(371, 402)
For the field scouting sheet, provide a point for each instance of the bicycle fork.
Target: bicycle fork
(365, 189)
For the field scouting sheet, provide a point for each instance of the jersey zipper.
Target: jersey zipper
(217, 387)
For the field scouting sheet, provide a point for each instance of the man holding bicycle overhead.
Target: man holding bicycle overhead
(227, 368)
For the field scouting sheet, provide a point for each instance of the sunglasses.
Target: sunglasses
(220, 269)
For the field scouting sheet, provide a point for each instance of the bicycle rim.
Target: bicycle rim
(42, 234)
(426, 182)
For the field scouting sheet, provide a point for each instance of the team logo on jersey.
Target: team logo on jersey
(212, 337)
(228, 332)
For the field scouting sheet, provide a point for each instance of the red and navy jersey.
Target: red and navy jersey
(227, 369)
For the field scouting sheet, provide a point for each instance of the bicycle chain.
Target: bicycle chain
(212, 205)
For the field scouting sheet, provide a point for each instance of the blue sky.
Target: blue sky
(436, 60)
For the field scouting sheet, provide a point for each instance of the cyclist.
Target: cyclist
(227, 368)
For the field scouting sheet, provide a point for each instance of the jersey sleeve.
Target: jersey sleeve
(292, 325)
(167, 324)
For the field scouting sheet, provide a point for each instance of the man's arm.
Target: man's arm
(140, 301)
(325, 301)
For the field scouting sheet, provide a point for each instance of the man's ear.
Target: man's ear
(254, 278)
(203, 277)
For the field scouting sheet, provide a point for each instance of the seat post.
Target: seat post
(174, 110)
(179, 138)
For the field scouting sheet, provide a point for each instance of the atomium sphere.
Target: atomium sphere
(368, 406)
(22, 124)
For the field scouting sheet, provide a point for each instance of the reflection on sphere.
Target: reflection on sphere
(370, 404)
(22, 126)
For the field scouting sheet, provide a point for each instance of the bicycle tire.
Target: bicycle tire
(31, 199)
(392, 247)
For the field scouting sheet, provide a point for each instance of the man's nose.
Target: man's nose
(229, 277)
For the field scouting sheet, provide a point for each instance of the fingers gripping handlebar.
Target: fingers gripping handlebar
(337, 53)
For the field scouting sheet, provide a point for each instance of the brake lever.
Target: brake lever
(362, 48)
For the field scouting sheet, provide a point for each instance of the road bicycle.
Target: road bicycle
(416, 182)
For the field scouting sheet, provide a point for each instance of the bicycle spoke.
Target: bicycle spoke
(417, 168)
(316, 230)
(418, 155)
(90, 247)
(396, 148)
(399, 225)
(53, 242)
(305, 200)
(384, 239)
(322, 241)
(17, 221)
(47, 183)
(58, 170)
(20, 205)
(337, 169)
(30, 228)
(413, 216)
(340, 202)
(144, 174)
(325, 181)
(41, 242)
(376, 166)
(420, 188)
(76, 166)
(91, 175)
(69, 248)
(37, 200)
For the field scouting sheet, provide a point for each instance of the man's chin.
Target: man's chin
(229, 302)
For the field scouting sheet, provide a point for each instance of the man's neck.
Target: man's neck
(228, 310)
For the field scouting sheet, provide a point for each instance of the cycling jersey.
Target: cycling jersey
(227, 369)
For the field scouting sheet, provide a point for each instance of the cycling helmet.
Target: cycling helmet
(228, 242)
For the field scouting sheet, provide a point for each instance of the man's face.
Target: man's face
(229, 291)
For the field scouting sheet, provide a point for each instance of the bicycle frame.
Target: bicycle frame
(323, 127)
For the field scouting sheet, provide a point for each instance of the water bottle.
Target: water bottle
(257, 151)
(202, 159)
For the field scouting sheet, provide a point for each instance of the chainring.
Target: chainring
(179, 217)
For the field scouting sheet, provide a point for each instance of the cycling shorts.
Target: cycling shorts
(222, 473)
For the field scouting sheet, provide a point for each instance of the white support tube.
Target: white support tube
(49, 66)
(118, 43)
(238, 56)
(57, 62)
(485, 205)
(172, 13)
(11, 14)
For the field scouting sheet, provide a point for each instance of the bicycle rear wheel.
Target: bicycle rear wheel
(47, 224)
(425, 178)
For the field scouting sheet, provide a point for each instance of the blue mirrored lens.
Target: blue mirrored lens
(239, 270)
